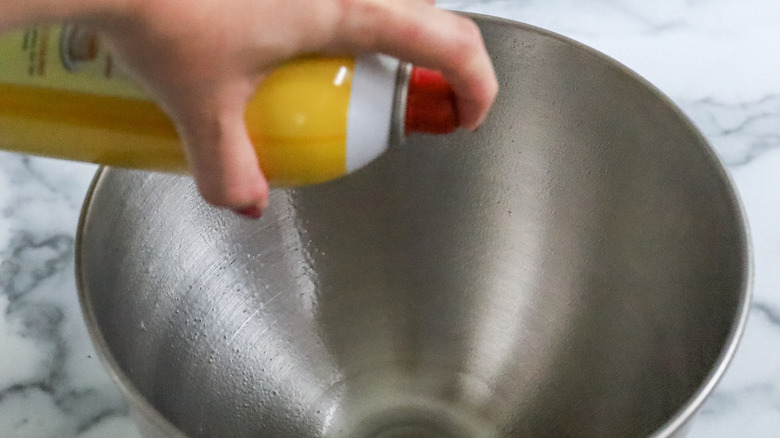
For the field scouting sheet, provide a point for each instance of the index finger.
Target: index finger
(424, 35)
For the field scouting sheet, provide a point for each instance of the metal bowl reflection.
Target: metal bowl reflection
(577, 267)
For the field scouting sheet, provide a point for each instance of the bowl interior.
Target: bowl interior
(577, 267)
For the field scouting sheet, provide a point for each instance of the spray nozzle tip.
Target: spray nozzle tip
(430, 104)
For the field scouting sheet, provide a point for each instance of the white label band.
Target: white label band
(370, 109)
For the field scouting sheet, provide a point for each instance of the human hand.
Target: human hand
(203, 61)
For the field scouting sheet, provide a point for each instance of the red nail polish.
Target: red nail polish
(252, 212)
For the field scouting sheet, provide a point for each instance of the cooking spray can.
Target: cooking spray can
(311, 120)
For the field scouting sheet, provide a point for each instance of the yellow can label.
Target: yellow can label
(65, 58)
(62, 96)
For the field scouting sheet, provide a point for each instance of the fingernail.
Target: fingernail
(252, 212)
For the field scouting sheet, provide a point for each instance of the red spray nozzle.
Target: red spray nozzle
(430, 104)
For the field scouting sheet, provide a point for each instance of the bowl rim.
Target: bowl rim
(677, 423)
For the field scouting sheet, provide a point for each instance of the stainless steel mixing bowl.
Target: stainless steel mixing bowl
(579, 267)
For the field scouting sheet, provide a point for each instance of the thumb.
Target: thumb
(221, 155)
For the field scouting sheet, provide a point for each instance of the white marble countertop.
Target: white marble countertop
(717, 59)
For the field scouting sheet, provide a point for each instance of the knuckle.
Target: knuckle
(229, 186)
(468, 37)
(224, 194)
(219, 195)
(358, 21)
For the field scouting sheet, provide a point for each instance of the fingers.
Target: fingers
(187, 69)
(429, 37)
(221, 156)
